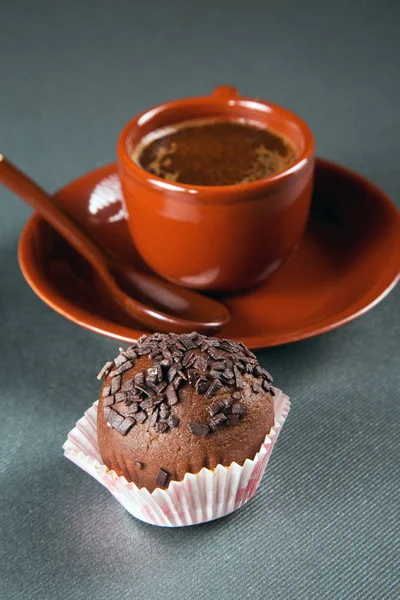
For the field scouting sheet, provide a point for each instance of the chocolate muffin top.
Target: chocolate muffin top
(172, 404)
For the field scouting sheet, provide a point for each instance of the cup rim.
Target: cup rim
(222, 190)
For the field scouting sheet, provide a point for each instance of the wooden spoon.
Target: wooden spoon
(160, 305)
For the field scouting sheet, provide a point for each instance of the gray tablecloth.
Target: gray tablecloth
(323, 524)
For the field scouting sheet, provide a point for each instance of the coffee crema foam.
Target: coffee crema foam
(214, 151)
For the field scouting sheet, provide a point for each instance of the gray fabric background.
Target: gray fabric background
(323, 524)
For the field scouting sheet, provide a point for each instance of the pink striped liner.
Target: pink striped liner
(200, 497)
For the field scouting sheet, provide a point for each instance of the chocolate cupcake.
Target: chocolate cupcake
(173, 404)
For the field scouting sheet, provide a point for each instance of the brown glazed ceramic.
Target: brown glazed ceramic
(217, 238)
(347, 262)
(154, 302)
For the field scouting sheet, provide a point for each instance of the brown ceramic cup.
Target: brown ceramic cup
(225, 238)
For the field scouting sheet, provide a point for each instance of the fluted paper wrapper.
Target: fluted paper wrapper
(200, 497)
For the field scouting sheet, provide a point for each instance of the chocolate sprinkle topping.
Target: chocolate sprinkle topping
(125, 367)
(161, 427)
(202, 385)
(142, 387)
(162, 478)
(217, 421)
(238, 378)
(266, 386)
(199, 429)
(105, 370)
(267, 375)
(202, 364)
(116, 384)
(188, 342)
(239, 409)
(120, 397)
(126, 425)
(219, 366)
(128, 385)
(141, 416)
(114, 419)
(213, 388)
(165, 411)
(215, 407)
(132, 409)
(154, 418)
(171, 395)
(257, 371)
(139, 378)
(130, 353)
(108, 400)
(173, 421)
(208, 365)
(146, 404)
(120, 360)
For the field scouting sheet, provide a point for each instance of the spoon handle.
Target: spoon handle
(24, 187)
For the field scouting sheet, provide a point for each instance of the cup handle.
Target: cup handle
(226, 91)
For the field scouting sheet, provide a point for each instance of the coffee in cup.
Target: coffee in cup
(214, 152)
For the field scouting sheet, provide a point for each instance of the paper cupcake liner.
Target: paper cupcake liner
(200, 497)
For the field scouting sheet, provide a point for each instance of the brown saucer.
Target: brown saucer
(348, 261)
